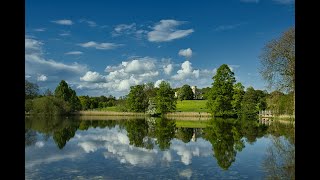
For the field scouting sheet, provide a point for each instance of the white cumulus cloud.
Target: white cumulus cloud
(157, 83)
(185, 52)
(166, 30)
(186, 72)
(168, 69)
(138, 66)
(92, 77)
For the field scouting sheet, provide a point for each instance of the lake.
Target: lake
(157, 148)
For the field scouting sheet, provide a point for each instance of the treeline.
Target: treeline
(63, 100)
(97, 102)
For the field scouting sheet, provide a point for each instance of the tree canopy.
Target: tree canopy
(221, 93)
(185, 93)
(165, 98)
(63, 91)
(278, 62)
(137, 99)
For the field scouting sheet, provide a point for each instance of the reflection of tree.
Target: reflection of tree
(164, 132)
(30, 137)
(225, 138)
(137, 133)
(252, 130)
(60, 127)
(63, 128)
(280, 159)
(61, 137)
(184, 134)
(278, 129)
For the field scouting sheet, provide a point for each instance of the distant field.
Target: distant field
(191, 106)
(182, 106)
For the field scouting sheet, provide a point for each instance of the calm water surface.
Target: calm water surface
(71, 148)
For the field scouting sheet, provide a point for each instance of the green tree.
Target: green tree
(150, 90)
(280, 103)
(278, 62)
(249, 102)
(221, 94)
(85, 102)
(31, 90)
(28, 105)
(204, 92)
(137, 99)
(261, 99)
(238, 89)
(185, 93)
(50, 105)
(165, 98)
(63, 91)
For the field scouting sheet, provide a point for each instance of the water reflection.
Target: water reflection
(155, 143)
(227, 137)
(279, 162)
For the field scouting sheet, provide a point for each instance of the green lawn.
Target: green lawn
(182, 106)
(191, 106)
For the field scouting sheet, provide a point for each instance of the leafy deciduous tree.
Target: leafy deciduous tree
(137, 99)
(238, 89)
(278, 62)
(63, 91)
(165, 98)
(221, 94)
(185, 93)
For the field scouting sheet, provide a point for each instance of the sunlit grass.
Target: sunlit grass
(191, 106)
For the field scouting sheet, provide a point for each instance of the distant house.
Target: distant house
(194, 90)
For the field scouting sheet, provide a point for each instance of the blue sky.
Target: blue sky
(104, 47)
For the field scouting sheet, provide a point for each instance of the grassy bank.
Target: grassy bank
(108, 113)
(191, 106)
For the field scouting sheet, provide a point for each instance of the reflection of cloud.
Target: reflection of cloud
(51, 159)
(39, 144)
(116, 142)
(186, 173)
(188, 150)
(88, 146)
(167, 156)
